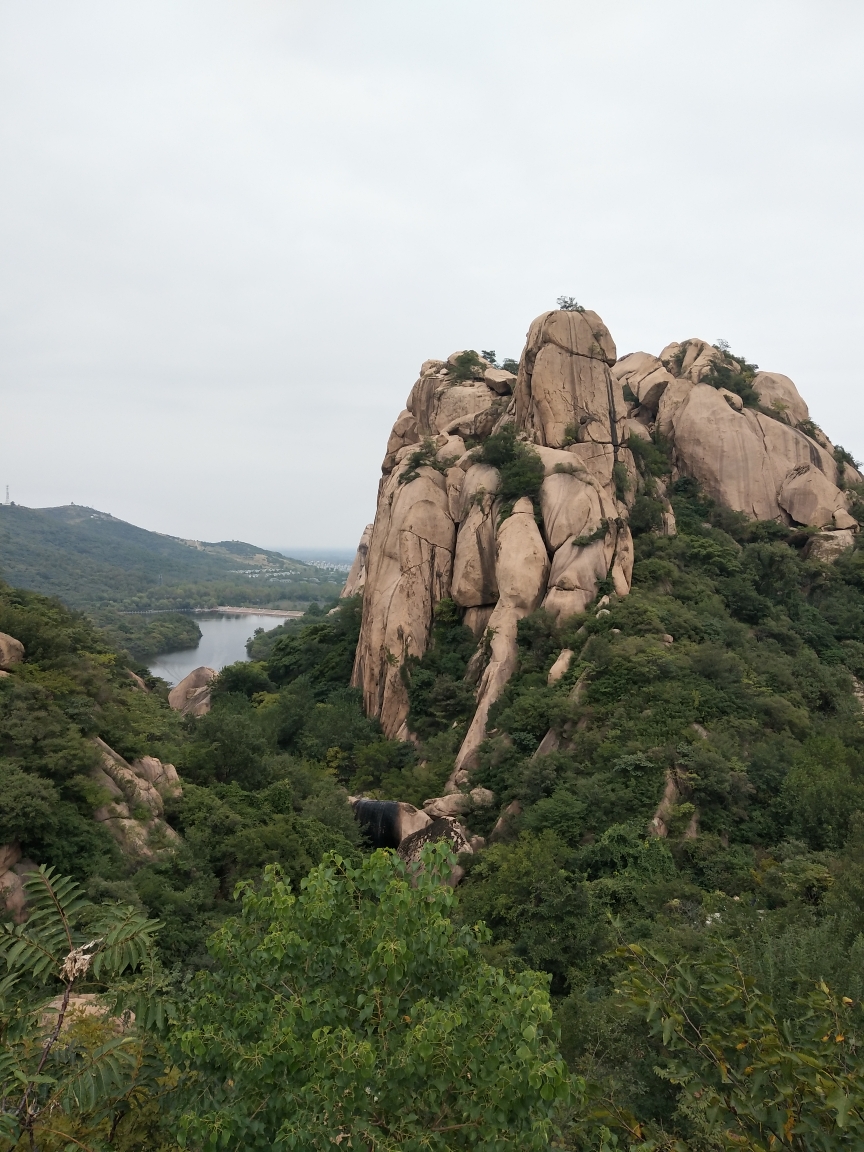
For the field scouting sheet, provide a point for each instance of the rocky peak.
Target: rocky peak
(453, 522)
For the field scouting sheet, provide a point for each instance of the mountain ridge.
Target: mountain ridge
(88, 557)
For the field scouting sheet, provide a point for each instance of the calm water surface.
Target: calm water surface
(223, 641)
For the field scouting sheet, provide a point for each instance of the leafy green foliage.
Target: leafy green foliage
(322, 652)
(844, 460)
(356, 1011)
(652, 456)
(144, 637)
(426, 456)
(748, 1077)
(722, 683)
(437, 691)
(47, 1077)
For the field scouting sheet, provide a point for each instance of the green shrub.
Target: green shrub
(735, 375)
(467, 366)
(646, 515)
(653, 457)
(438, 695)
(520, 467)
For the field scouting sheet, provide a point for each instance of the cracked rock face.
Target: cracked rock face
(439, 533)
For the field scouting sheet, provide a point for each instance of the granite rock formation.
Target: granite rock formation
(191, 696)
(134, 810)
(442, 529)
(356, 581)
(11, 652)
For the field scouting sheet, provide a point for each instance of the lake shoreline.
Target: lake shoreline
(224, 635)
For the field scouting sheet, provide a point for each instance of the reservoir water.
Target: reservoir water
(223, 641)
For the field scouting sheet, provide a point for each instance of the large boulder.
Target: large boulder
(444, 828)
(439, 402)
(11, 651)
(13, 897)
(565, 391)
(778, 393)
(691, 360)
(718, 447)
(809, 497)
(829, 546)
(572, 506)
(404, 433)
(646, 376)
(163, 777)
(474, 580)
(453, 804)
(192, 695)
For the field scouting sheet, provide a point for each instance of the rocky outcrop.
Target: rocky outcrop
(443, 530)
(191, 696)
(522, 567)
(134, 809)
(163, 777)
(444, 828)
(769, 462)
(828, 546)
(13, 870)
(11, 652)
(356, 581)
(565, 392)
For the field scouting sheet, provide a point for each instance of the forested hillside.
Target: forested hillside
(682, 860)
(90, 559)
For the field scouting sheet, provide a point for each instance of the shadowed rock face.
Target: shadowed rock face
(386, 823)
(439, 532)
(379, 820)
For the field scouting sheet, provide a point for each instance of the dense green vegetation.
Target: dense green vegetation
(382, 1023)
(145, 636)
(706, 985)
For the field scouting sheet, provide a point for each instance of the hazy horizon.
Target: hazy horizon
(231, 232)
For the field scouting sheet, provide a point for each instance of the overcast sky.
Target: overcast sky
(232, 230)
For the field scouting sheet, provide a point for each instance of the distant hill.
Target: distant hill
(89, 558)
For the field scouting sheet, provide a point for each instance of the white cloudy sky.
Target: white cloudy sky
(231, 230)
